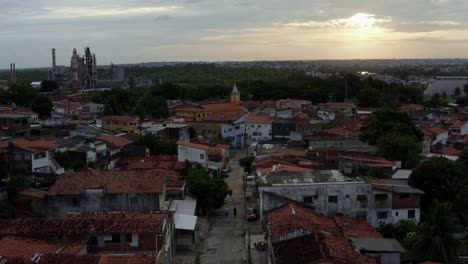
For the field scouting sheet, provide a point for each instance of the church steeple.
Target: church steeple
(235, 95)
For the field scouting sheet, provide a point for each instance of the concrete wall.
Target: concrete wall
(261, 131)
(192, 154)
(347, 202)
(95, 201)
(402, 214)
(338, 144)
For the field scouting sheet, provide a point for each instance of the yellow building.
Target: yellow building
(235, 95)
(120, 124)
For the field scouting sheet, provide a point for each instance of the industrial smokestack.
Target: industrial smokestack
(12, 73)
(53, 59)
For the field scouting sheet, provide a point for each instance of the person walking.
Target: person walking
(235, 212)
(226, 211)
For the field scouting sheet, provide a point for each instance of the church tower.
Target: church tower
(235, 95)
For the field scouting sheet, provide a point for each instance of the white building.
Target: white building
(258, 127)
(234, 132)
(192, 152)
(459, 128)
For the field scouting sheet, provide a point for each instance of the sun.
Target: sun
(361, 20)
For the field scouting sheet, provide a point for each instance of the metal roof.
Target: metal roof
(378, 244)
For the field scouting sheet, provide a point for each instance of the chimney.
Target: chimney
(53, 59)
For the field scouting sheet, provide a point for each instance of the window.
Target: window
(396, 213)
(202, 156)
(108, 123)
(381, 197)
(115, 238)
(308, 199)
(133, 200)
(76, 202)
(125, 124)
(92, 240)
(404, 195)
(259, 126)
(382, 215)
(128, 238)
(411, 214)
(252, 126)
(361, 198)
(332, 199)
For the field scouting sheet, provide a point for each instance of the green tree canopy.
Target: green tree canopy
(442, 180)
(158, 145)
(43, 106)
(457, 91)
(387, 120)
(22, 94)
(435, 241)
(398, 147)
(48, 86)
(210, 192)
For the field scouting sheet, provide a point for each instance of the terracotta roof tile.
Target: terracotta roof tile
(114, 141)
(34, 145)
(193, 145)
(128, 259)
(325, 243)
(150, 181)
(338, 131)
(120, 118)
(436, 130)
(19, 247)
(223, 107)
(259, 119)
(355, 227)
(88, 224)
(459, 124)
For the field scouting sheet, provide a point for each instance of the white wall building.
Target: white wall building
(258, 127)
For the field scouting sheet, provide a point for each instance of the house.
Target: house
(93, 109)
(33, 118)
(281, 130)
(67, 108)
(212, 157)
(104, 191)
(36, 156)
(297, 234)
(234, 132)
(170, 130)
(15, 125)
(258, 127)
(438, 135)
(395, 200)
(216, 126)
(332, 110)
(362, 165)
(459, 128)
(185, 221)
(340, 142)
(191, 112)
(301, 105)
(120, 124)
(328, 191)
(116, 233)
(387, 250)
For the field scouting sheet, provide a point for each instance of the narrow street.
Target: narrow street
(225, 239)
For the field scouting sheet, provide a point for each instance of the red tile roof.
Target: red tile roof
(449, 151)
(149, 181)
(259, 119)
(88, 224)
(410, 108)
(192, 145)
(338, 131)
(34, 145)
(128, 259)
(355, 227)
(120, 118)
(352, 124)
(369, 159)
(378, 184)
(325, 243)
(68, 259)
(224, 116)
(35, 193)
(114, 141)
(459, 124)
(19, 247)
(224, 107)
(436, 130)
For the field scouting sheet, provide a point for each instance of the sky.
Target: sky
(132, 31)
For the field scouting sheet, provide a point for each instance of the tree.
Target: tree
(435, 241)
(158, 145)
(435, 100)
(4, 167)
(246, 163)
(465, 89)
(22, 94)
(394, 146)
(457, 92)
(210, 192)
(63, 158)
(368, 97)
(403, 231)
(443, 180)
(43, 106)
(48, 86)
(385, 121)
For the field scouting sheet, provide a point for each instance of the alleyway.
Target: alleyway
(225, 240)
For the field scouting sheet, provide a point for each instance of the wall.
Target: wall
(95, 201)
(262, 131)
(40, 163)
(338, 144)
(206, 129)
(191, 154)
(402, 214)
(346, 193)
(118, 127)
(326, 115)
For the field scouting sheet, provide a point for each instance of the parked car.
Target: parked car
(250, 177)
(227, 169)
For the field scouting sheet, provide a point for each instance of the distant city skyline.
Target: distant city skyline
(238, 30)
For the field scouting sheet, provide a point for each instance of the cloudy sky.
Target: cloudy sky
(128, 31)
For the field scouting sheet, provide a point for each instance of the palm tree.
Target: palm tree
(435, 241)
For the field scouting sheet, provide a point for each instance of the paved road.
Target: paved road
(225, 240)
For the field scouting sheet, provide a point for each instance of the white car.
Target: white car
(250, 177)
